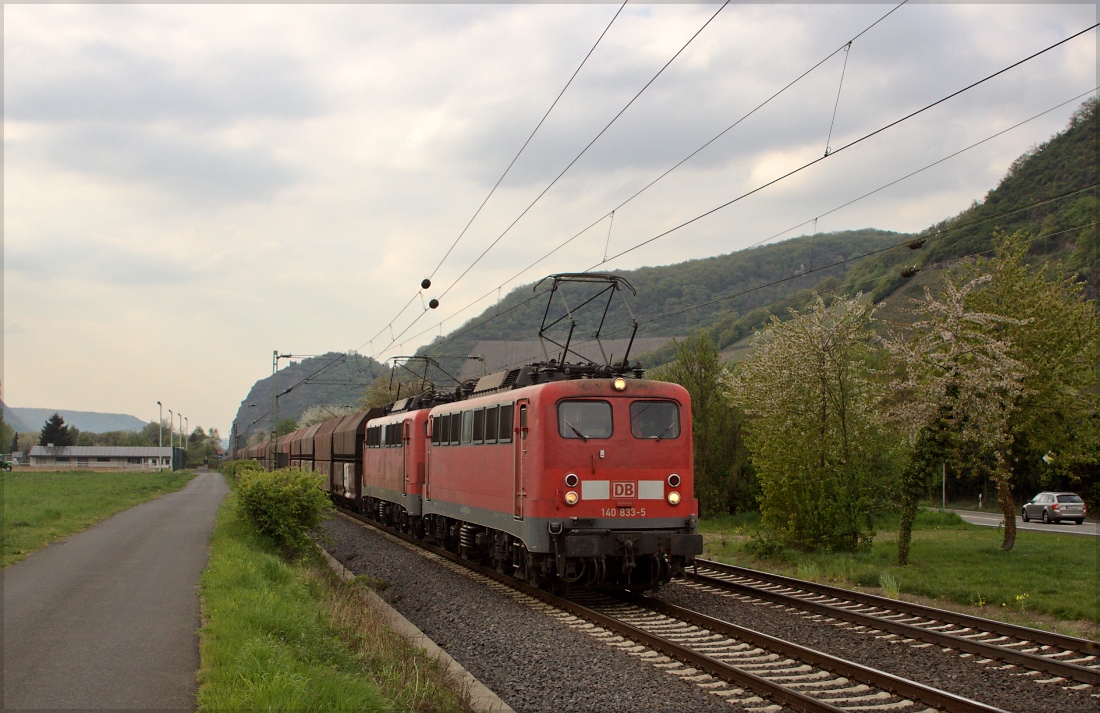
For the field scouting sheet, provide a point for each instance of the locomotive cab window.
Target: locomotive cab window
(655, 419)
(584, 419)
(507, 412)
(479, 425)
(467, 426)
(456, 428)
(491, 424)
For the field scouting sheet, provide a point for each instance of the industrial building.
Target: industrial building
(106, 458)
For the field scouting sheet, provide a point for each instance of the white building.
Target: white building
(105, 457)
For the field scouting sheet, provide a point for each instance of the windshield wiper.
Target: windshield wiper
(666, 430)
(574, 429)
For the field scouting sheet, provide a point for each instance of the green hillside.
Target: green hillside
(667, 295)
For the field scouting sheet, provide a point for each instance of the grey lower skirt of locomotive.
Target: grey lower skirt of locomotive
(564, 554)
(597, 557)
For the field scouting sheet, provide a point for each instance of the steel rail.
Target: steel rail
(778, 693)
(991, 625)
(876, 621)
(865, 674)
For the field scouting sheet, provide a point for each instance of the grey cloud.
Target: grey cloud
(192, 165)
(105, 83)
(67, 258)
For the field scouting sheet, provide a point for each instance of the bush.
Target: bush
(284, 505)
(233, 468)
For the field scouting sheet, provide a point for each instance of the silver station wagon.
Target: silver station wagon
(1055, 507)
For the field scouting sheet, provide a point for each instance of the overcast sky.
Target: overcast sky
(187, 188)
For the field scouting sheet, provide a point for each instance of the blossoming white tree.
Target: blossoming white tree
(957, 383)
(814, 436)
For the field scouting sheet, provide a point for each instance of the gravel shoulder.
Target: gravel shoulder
(532, 661)
(921, 662)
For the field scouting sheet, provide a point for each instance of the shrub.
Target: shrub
(233, 468)
(284, 505)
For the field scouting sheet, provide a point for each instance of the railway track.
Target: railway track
(1064, 657)
(760, 672)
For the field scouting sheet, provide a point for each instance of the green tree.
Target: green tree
(285, 426)
(1053, 334)
(56, 432)
(724, 481)
(814, 435)
(7, 432)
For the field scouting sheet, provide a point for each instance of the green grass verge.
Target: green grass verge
(40, 507)
(291, 636)
(1048, 577)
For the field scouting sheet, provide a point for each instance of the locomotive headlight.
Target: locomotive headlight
(619, 384)
(674, 498)
(571, 480)
(571, 497)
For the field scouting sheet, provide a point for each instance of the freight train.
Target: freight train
(562, 474)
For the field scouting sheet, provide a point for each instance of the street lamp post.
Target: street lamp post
(187, 428)
(171, 429)
(160, 432)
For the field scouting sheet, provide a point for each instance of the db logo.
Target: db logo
(624, 489)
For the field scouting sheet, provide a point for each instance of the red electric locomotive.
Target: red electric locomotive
(578, 480)
(394, 465)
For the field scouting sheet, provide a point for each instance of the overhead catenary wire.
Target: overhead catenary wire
(846, 146)
(844, 205)
(938, 234)
(528, 141)
(717, 136)
(994, 217)
(879, 278)
(503, 175)
(847, 53)
(585, 149)
(842, 148)
(563, 172)
(920, 170)
(854, 258)
(665, 173)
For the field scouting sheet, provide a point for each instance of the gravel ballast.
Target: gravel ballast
(923, 663)
(529, 659)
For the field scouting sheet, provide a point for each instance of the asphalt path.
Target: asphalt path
(109, 618)
(995, 519)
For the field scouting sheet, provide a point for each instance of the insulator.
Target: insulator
(425, 283)
(433, 303)
(908, 272)
(916, 243)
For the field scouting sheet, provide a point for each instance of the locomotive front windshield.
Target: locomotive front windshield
(584, 419)
(654, 419)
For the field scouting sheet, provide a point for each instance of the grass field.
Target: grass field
(40, 507)
(292, 636)
(1048, 580)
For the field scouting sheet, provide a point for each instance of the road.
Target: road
(994, 519)
(109, 618)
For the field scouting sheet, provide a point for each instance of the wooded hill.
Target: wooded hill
(335, 378)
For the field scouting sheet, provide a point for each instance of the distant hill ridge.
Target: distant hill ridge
(31, 419)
